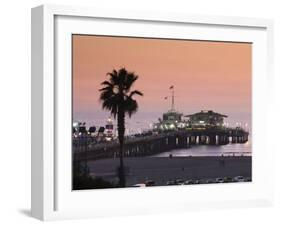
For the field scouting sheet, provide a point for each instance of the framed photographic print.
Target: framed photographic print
(137, 112)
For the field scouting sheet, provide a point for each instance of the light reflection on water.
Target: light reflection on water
(208, 150)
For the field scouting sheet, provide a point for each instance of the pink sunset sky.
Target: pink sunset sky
(206, 75)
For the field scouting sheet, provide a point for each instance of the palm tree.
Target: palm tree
(116, 96)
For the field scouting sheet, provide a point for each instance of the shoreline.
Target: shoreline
(163, 169)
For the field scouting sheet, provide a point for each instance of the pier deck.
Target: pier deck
(157, 143)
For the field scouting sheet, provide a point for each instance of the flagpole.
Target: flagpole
(173, 101)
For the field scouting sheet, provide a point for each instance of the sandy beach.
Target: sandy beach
(163, 169)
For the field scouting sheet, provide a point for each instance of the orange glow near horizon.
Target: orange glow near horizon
(206, 75)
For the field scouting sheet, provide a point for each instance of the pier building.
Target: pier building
(205, 118)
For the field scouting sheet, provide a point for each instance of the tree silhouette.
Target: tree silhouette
(116, 96)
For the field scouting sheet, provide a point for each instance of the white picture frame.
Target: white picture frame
(52, 197)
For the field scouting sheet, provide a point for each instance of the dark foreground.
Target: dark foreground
(163, 170)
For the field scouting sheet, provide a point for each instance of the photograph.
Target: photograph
(160, 112)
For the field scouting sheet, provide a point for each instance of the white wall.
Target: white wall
(15, 110)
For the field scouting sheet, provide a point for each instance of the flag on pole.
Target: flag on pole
(171, 87)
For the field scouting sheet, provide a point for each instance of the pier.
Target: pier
(146, 145)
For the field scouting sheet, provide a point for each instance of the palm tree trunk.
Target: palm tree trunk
(121, 131)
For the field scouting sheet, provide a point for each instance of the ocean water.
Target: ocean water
(208, 150)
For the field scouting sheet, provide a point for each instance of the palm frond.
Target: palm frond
(111, 105)
(107, 83)
(122, 74)
(130, 106)
(135, 92)
(114, 78)
(130, 79)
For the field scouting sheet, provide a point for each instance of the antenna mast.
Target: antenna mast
(173, 98)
